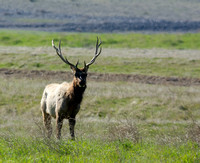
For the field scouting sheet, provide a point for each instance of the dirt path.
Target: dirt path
(46, 75)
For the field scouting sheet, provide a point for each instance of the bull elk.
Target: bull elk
(62, 101)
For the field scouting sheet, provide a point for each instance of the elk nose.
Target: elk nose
(81, 78)
(82, 82)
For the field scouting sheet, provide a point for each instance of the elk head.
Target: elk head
(80, 74)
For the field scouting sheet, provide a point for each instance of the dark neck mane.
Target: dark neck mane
(78, 93)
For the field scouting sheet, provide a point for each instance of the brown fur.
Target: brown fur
(62, 101)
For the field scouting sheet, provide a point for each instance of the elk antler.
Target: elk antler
(98, 44)
(59, 53)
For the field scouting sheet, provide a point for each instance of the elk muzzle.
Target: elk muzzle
(82, 82)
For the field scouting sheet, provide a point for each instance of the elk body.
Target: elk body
(62, 101)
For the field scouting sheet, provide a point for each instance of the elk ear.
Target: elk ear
(77, 64)
(73, 69)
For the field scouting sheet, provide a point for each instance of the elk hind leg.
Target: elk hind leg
(47, 123)
(59, 123)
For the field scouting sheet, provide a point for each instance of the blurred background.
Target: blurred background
(101, 15)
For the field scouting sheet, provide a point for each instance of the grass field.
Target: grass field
(32, 50)
(119, 121)
(111, 40)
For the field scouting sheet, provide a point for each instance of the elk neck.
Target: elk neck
(77, 91)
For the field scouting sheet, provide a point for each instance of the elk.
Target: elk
(62, 101)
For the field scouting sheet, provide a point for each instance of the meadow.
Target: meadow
(119, 121)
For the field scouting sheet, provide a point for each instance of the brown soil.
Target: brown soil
(46, 75)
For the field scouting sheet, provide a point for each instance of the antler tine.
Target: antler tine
(59, 53)
(98, 44)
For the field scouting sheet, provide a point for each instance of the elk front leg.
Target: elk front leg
(72, 122)
(59, 123)
(47, 123)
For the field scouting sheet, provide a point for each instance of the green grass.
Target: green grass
(118, 121)
(122, 61)
(112, 40)
(109, 61)
(30, 150)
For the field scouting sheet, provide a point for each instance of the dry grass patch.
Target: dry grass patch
(107, 52)
(193, 132)
(124, 130)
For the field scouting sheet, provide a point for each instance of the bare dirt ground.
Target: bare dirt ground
(46, 75)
